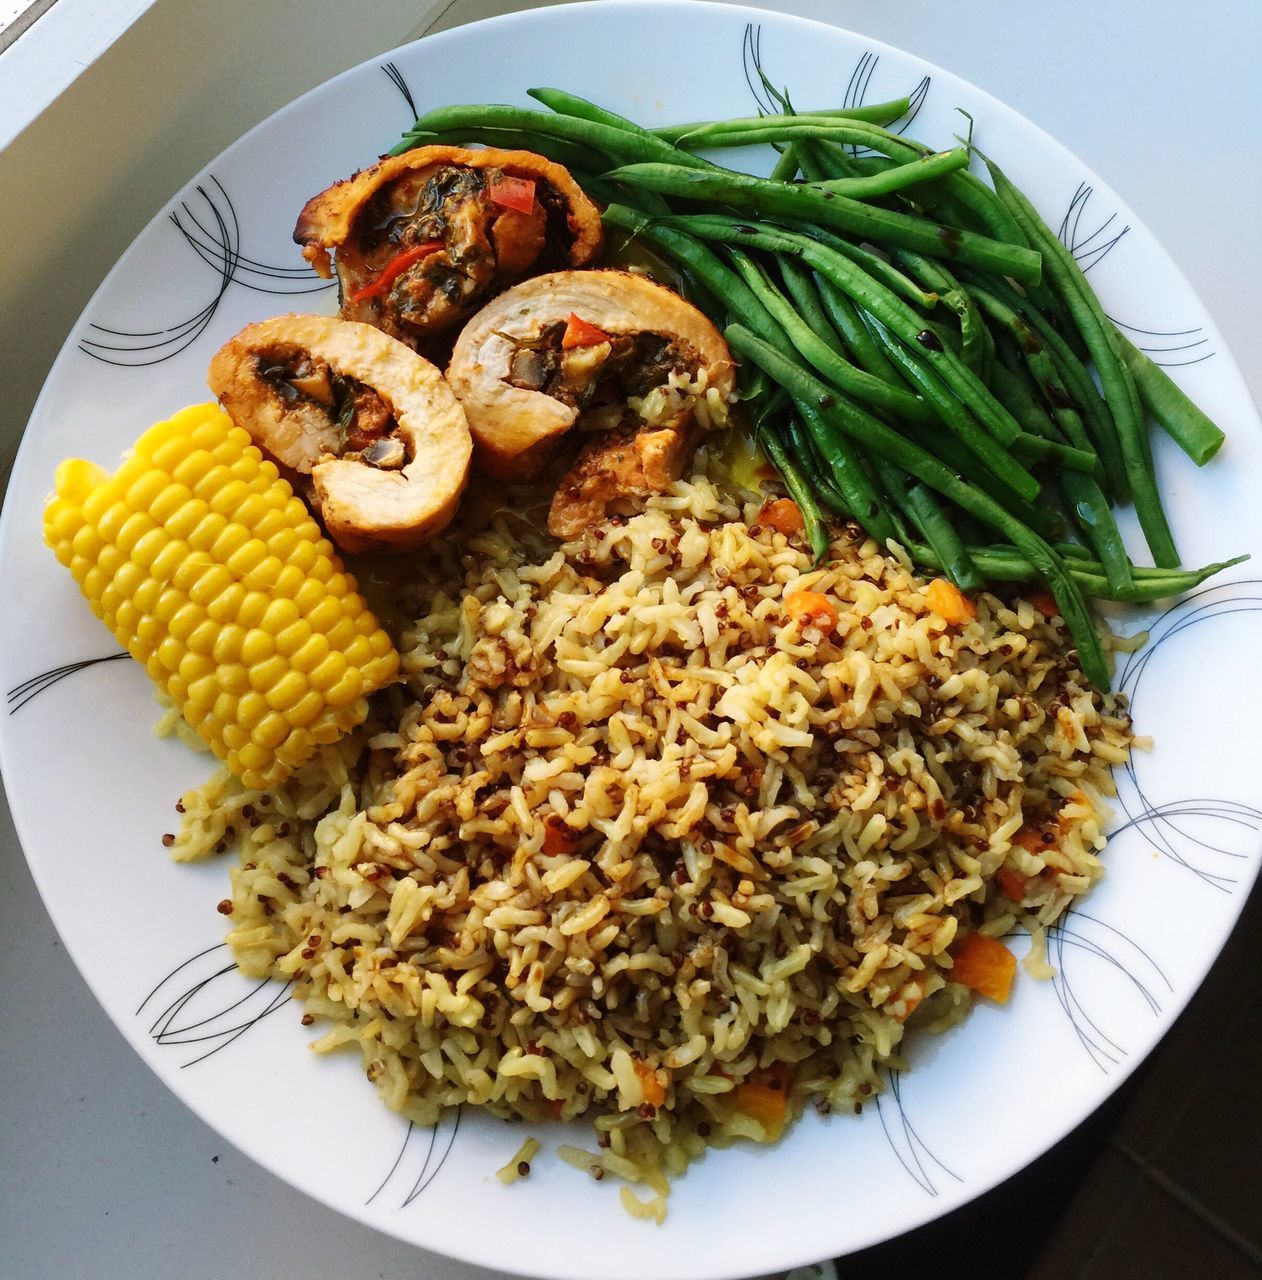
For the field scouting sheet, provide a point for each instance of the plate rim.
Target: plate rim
(996, 1173)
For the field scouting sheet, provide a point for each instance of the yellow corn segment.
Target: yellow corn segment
(212, 574)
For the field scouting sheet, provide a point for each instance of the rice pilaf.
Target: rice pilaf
(634, 842)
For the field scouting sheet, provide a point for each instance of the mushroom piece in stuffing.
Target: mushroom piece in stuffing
(421, 240)
(367, 429)
(608, 352)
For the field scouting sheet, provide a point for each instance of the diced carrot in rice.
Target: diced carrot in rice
(810, 608)
(783, 515)
(949, 603)
(985, 965)
(766, 1099)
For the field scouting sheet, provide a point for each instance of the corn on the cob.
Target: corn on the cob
(213, 575)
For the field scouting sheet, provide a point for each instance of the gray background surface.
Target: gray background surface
(102, 1172)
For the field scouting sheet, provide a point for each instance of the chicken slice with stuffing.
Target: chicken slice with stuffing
(606, 356)
(422, 239)
(367, 430)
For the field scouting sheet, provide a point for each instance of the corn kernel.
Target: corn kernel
(195, 522)
(264, 675)
(247, 558)
(229, 500)
(169, 558)
(252, 609)
(329, 672)
(270, 732)
(211, 583)
(305, 710)
(258, 646)
(265, 574)
(251, 709)
(347, 689)
(287, 691)
(142, 495)
(203, 637)
(288, 580)
(230, 540)
(234, 678)
(228, 643)
(226, 607)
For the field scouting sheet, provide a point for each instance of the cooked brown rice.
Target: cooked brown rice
(628, 835)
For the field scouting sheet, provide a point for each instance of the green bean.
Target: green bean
(948, 450)
(801, 286)
(570, 104)
(829, 494)
(844, 465)
(884, 393)
(715, 274)
(786, 168)
(1020, 401)
(889, 445)
(1041, 365)
(612, 193)
(959, 421)
(876, 113)
(823, 209)
(897, 179)
(1185, 424)
(572, 155)
(922, 509)
(1084, 398)
(1002, 564)
(848, 325)
(892, 312)
(621, 144)
(758, 130)
(879, 269)
(833, 161)
(1029, 449)
(953, 295)
(839, 371)
(1115, 379)
(812, 169)
(1095, 519)
(798, 486)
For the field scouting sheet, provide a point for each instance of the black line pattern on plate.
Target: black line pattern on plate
(1168, 825)
(1182, 346)
(395, 76)
(437, 1142)
(861, 78)
(771, 100)
(1087, 247)
(908, 1146)
(214, 235)
(1077, 934)
(21, 694)
(201, 1012)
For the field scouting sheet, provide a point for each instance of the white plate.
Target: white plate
(92, 790)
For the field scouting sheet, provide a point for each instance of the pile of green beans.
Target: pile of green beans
(920, 353)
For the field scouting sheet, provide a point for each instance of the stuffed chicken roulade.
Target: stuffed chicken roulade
(636, 369)
(368, 430)
(421, 240)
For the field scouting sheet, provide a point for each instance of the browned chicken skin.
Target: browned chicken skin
(628, 463)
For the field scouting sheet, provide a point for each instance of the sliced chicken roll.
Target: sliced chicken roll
(422, 239)
(608, 352)
(366, 428)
